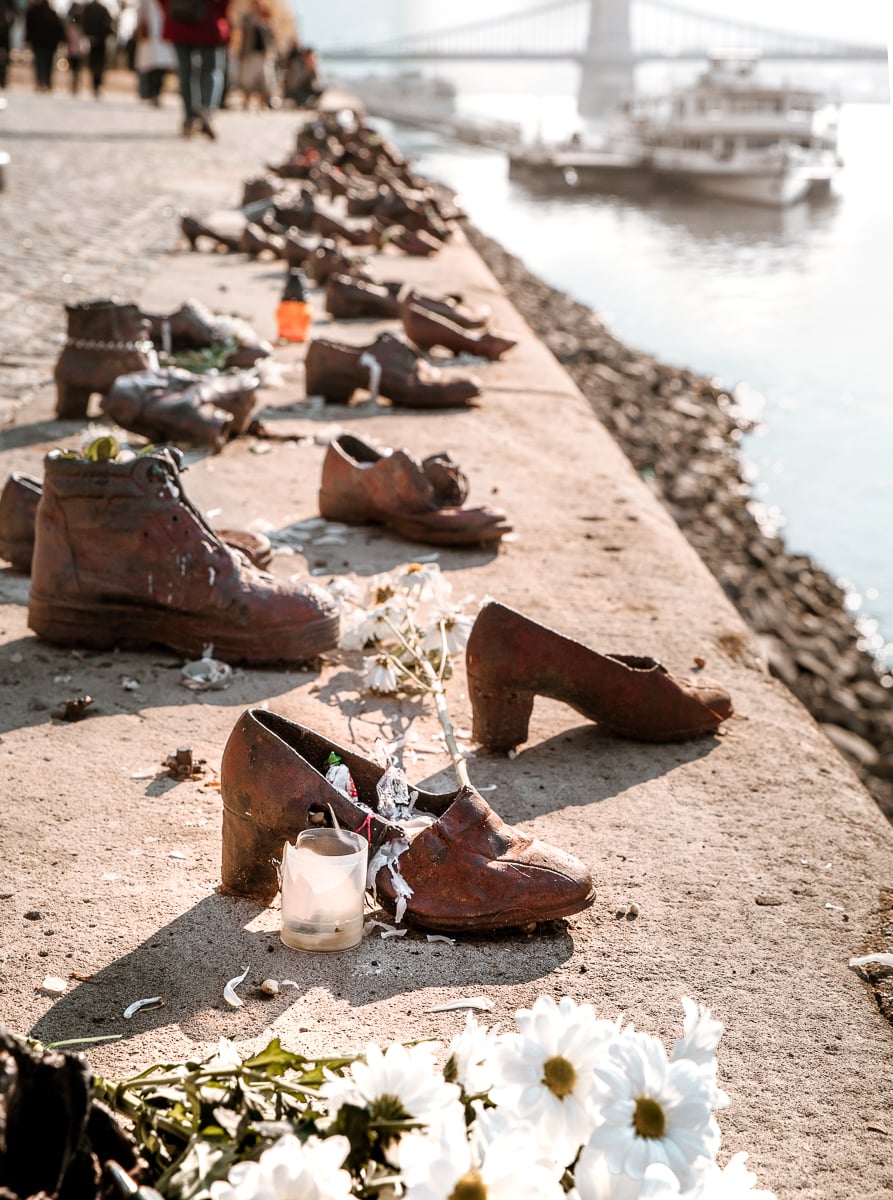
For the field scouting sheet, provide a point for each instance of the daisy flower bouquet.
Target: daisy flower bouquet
(564, 1105)
(409, 629)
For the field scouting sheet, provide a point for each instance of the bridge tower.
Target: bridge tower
(606, 75)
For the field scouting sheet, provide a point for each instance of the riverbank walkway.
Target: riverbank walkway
(743, 870)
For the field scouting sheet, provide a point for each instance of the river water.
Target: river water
(793, 308)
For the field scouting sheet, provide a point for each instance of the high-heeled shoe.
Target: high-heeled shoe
(510, 659)
(466, 869)
(193, 229)
(418, 244)
(257, 240)
(330, 227)
(336, 371)
(428, 329)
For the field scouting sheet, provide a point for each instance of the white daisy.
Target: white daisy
(423, 582)
(701, 1034)
(381, 675)
(446, 1165)
(399, 1084)
(291, 1170)
(732, 1182)
(468, 1054)
(652, 1110)
(546, 1072)
(451, 628)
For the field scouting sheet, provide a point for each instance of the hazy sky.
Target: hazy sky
(347, 22)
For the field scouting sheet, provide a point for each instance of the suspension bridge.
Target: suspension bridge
(606, 39)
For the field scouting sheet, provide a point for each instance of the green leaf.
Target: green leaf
(274, 1059)
(102, 449)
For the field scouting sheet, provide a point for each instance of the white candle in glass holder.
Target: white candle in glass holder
(323, 884)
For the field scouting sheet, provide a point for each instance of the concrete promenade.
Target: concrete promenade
(755, 862)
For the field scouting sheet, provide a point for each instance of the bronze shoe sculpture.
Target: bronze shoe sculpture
(420, 501)
(18, 508)
(349, 297)
(121, 555)
(105, 339)
(468, 870)
(510, 659)
(193, 229)
(330, 227)
(388, 367)
(296, 251)
(173, 405)
(327, 260)
(427, 329)
(416, 243)
(257, 240)
(20, 497)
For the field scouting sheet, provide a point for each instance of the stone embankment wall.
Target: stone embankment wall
(682, 433)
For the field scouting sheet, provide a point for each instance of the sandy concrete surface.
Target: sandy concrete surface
(753, 859)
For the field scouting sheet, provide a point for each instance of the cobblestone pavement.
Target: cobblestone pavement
(91, 202)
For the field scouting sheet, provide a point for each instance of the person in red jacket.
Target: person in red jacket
(199, 31)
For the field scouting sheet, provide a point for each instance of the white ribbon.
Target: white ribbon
(370, 361)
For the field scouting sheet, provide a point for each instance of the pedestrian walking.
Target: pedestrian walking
(301, 84)
(154, 56)
(7, 20)
(98, 26)
(77, 45)
(200, 32)
(257, 55)
(44, 31)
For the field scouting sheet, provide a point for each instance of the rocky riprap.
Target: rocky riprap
(682, 433)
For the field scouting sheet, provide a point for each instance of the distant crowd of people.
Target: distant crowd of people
(213, 55)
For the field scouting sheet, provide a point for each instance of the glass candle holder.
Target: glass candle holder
(323, 885)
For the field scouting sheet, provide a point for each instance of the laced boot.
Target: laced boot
(18, 515)
(194, 229)
(173, 405)
(388, 367)
(428, 329)
(105, 339)
(511, 658)
(120, 554)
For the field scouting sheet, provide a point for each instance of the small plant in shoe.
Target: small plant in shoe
(106, 448)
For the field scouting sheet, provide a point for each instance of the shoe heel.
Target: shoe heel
(71, 401)
(247, 867)
(500, 719)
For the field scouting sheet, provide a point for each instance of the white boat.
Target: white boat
(737, 136)
(730, 134)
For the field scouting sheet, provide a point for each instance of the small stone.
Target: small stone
(767, 901)
(33, 915)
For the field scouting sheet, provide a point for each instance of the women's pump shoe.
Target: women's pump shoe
(193, 230)
(121, 555)
(420, 501)
(388, 367)
(467, 870)
(427, 329)
(510, 659)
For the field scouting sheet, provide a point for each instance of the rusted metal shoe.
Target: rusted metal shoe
(18, 516)
(510, 659)
(18, 508)
(194, 230)
(173, 405)
(418, 243)
(121, 555)
(427, 329)
(468, 871)
(348, 299)
(388, 367)
(105, 339)
(257, 240)
(421, 501)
